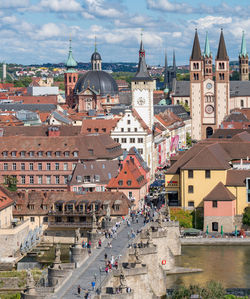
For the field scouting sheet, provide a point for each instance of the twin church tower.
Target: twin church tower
(209, 98)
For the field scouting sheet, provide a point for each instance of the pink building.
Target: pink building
(219, 210)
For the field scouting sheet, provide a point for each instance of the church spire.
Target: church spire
(243, 50)
(166, 70)
(71, 63)
(174, 62)
(142, 72)
(196, 51)
(207, 52)
(222, 51)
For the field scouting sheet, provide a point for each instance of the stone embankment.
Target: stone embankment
(214, 241)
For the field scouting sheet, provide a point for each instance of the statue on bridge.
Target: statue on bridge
(137, 256)
(77, 236)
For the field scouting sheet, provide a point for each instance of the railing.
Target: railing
(75, 212)
(70, 224)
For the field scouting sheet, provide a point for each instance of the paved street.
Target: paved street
(84, 275)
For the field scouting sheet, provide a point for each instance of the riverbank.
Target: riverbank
(214, 241)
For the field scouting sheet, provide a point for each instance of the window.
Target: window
(22, 166)
(75, 154)
(57, 179)
(49, 154)
(128, 122)
(58, 154)
(116, 207)
(31, 166)
(242, 103)
(132, 140)
(190, 174)
(74, 166)
(40, 166)
(56, 166)
(58, 219)
(191, 203)
(215, 203)
(190, 189)
(122, 129)
(5, 154)
(129, 182)
(140, 140)
(124, 140)
(65, 178)
(40, 179)
(79, 178)
(5, 166)
(45, 219)
(31, 207)
(120, 182)
(135, 129)
(128, 129)
(13, 154)
(65, 166)
(215, 226)
(48, 166)
(66, 154)
(116, 140)
(31, 179)
(40, 154)
(22, 154)
(130, 194)
(140, 151)
(32, 219)
(13, 166)
(207, 174)
(48, 179)
(86, 179)
(23, 179)
(97, 178)
(32, 154)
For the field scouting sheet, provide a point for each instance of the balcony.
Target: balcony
(75, 212)
(70, 224)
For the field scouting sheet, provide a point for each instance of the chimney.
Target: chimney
(53, 131)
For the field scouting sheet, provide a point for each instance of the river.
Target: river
(229, 265)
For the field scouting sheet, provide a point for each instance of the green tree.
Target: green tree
(246, 216)
(188, 140)
(235, 76)
(23, 82)
(185, 218)
(61, 86)
(11, 182)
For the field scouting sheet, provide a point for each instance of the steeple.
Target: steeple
(222, 51)
(243, 50)
(174, 62)
(96, 60)
(166, 70)
(71, 63)
(142, 72)
(196, 51)
(207, 52)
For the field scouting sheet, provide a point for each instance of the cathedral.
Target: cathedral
(94, 90)
(209, 93)
(169, 73)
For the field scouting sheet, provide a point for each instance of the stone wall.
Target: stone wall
(226, 221)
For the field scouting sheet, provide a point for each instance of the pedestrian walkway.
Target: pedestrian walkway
(84, 275)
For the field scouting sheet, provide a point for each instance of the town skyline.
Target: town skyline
(38, 31)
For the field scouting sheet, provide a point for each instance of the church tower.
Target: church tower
(96, 60)
(166, 73)
(222, 81)
(243, 60)
(142, 86)
(208, 60)
(196, 87)
(70, 77)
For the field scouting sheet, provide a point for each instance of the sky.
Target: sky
(38, 31)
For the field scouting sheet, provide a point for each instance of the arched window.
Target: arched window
(209, 132)
(69, 79)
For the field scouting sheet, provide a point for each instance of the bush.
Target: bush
(246, 216)
(185, 218)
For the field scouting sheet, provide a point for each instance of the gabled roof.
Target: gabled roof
(101, 126)
(196, 51)
(220, 193)
(222, 51)
(5, 199)
(237, 177)
(141, 121)
(129, 175)
(134, 152)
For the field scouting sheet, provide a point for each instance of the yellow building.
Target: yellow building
(196, 172)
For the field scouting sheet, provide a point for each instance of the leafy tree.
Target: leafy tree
(185, 218)
(61, 86)
(11, 182)
(183, 77)
(235, 76)
(246, 216)
(23, 82)
(188, 140)
(198, 218)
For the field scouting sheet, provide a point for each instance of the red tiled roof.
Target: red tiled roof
(51, 99)
(220, 193)
(128, 174)
(5, 199)
(102, 126)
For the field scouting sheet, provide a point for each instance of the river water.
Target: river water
(229, 265)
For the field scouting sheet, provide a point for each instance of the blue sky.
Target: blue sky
(37, 31)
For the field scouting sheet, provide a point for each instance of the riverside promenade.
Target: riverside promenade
(86, 273)
(215, 241)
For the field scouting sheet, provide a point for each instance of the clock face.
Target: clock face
(209, 109)
(141, 101)
(209, 85)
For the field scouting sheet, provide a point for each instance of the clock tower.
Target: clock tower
(142, 86)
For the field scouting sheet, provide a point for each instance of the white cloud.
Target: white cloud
(168, 6)
(60, 5)
(49, 30)
(210, 21)
(103, 9)
(177, 34)
(14, 3)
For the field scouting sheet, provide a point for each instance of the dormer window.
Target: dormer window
(31, 207)
(129, 182)
(66, 154)
(40, 154)
(58, 154)
(120, 182)
(31, 154)
(49, 154)
(79, 178)
(13, 154)
(75, 154)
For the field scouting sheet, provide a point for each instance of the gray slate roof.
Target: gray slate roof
(179, 110)
(30, 107)
(181, 88)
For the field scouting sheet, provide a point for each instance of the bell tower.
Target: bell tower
(208, 60)
(142, 86)
(196, 90)
(221, 81)
(243, 60)
(70, 77)
(96, 60)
